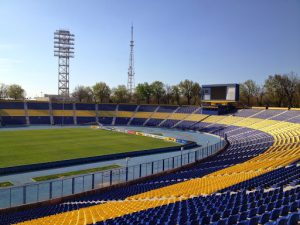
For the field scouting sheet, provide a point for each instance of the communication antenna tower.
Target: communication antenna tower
(64, 50)
(130, 82)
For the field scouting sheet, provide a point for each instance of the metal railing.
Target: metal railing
(41, 191)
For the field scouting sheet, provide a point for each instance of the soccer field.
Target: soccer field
(22, 147)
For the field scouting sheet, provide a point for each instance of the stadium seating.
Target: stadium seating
(124, 114)
(38, 105)
(169, 123)
(166, 108)
(38, 113)
(85, 119)
(143, 115)
(122, 120)
(256, 180)
(247, 112)
(63, 120)
(286, 115)
(11, 105)
(12, 113)
(61, 106)
(39, 120)
(107, 107)
(187, 109)
(13, 120)
(85, 113)
(84, 106)
(138, 121)
(147, 108)
(124, 107)
(154, 122)
(105, 120)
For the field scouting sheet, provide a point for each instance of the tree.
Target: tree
(274, 90)
(289, 83)
(3, 91)
(168, 93)
(176, 94)
(158, 90)
(249, 90)
(186, 89)
(120, 94)
(298, 94)
(196, 93)
(101, 92)
(260, 96)
(144, 92)
(15, 92)
(83, 94)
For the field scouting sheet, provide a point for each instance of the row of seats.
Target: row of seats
(172, 115)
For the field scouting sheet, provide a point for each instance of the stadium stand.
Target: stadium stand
(107, 107)
(122, 120)
(124, 107)
(85, 113)
(187, 109)
(167, 108)
(247, 112)
(38, 112)
(124, 114)
(147, 108)
(138, 121)
(63, 113)
(12, 113)
(106, 113)
(256, 180)
(11, 105)
(153, 122)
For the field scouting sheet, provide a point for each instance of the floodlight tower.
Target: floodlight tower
(130, 81)
(64, 50)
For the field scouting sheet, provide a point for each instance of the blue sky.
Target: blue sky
(208, 41)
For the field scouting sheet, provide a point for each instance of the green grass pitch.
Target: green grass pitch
(22, 147)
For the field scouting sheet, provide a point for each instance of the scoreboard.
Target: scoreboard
(220, 93)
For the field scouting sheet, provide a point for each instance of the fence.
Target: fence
(41, 191)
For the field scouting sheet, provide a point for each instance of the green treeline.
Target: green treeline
(279, 90)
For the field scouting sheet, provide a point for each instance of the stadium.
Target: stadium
(253, 179)
(201, 126)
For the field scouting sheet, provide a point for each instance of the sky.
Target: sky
(208, 41)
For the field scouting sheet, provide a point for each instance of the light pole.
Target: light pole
(63, 111)
(127, 159)
(64, 50)
(207, 147)
(181, 149)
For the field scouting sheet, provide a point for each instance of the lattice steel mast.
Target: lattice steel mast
(64, 50)
(130, 82)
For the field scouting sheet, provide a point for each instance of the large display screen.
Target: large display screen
(218, 93)
(222, 92)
